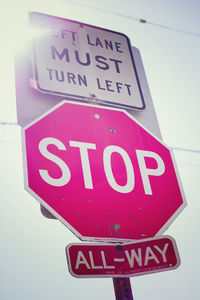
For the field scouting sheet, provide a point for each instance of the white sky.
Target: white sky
(33, 263)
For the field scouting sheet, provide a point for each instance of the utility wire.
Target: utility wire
(8, 142)
(7, 123)
(174, 148)
(185, 149)
(134, 19)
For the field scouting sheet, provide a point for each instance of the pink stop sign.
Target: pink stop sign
(101, 173)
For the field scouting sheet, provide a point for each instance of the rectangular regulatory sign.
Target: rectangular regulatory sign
(85, 62)
(123, 260)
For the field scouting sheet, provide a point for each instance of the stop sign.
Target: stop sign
(101, 173)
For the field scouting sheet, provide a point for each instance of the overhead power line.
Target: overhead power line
(8, 142)
(7, 123)
(140, 20)
(185, 149)
(174, 148)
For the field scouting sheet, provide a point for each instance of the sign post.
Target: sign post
(122, 288)
(111, 155)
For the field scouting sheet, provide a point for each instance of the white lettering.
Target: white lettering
(145, 173)
(92, 262)
(85, 161)
(134, 256)
(66, 175)
(150, 255)
(107, 155)
(162, 252)
(104, 262)
(81, 260)
(128, 187)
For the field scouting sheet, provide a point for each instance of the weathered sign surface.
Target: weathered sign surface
(101, 173)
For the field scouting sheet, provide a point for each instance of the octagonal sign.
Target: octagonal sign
(101, 173)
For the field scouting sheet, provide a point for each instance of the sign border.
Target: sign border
(84, 98)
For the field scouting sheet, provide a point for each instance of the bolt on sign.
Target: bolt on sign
(101, 173)
(123, 260)
(85, 62)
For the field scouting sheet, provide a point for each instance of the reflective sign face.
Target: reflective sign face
(122, 260)
(86, 62)
(101, 173)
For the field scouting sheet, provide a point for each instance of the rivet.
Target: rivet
(112, 130)
(119, 248)
(116, 227)
(97, 116)
(92, 97)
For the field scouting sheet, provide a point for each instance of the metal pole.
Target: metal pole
(122, 287)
